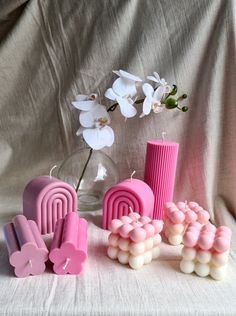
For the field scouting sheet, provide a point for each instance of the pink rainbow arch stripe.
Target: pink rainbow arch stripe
(118, 200)
(46, 199)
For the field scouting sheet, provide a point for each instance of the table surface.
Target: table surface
(106, 287)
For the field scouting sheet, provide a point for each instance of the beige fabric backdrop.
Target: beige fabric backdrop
(52, 50)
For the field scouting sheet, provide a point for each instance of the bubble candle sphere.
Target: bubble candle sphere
(206, 250)
(134, 240)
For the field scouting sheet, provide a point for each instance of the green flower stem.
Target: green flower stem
(85, 167)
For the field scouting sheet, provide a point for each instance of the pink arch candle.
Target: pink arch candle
(46, 199)
(160, 168)
(130, 194)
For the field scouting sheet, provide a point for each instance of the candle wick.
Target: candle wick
(50, 173)
(30, 263)
(132, 174)
(131, 209)
(66, 263)
(186, 203)
(163, 134)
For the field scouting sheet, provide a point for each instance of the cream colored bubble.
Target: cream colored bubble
(175, 240)
(112, 252)
(123, 257)
(147, 257)
(156, 239)
(123, 244)
(218, 273)
(203, 256)
(187, 266)
(189, 253)
(149, 243)
(113, 240)
(137, 248)
(136, 262)
(220, 259)
(155, 252)
(202, 269)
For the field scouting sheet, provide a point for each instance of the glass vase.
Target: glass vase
(91, 173)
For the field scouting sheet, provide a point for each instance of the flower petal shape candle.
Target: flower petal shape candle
(129, 194)
(27, 250)
(134, 240)
(46, 199)
(69, 246)
(206, 250)
(178, 216)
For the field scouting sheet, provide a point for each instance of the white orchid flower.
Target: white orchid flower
(122, 91)
(160, 81)
(95, 129)
(152, 99)
(85, 102)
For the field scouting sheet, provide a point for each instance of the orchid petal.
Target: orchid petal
(127, 109)
(81, 97)
(117, 72)
(168, 89)
(80, 131)
(110, 94)
(158, 94)
(123, 87)
(148, 90)
(87, 119)
(97, 138)
(147, 105)
(84, 105)
(152, 78)
(158, 78)
(128, 76)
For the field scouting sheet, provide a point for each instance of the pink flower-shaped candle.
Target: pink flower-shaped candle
(69, 246)
(206, 250)
(27, 250)
(134, 240)
(179, 216)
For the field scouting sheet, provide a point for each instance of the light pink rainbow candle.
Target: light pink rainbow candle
(134, 240)
(69, 246)
(160, 167)
(130, 194)
(27, 250)
(179, 216)
(46, 199)
(206, 250)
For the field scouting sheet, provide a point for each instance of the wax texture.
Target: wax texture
(178, 216)
(160, 168)
(130, 194)
(69, 246)
(26, 248)
(206, 250)
(134, 240)
(46, 199)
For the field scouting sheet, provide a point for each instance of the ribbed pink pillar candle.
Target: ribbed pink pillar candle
(160, 167)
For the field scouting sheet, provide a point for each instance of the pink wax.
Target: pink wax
(46, 199)
(130, 194)
(26, 248)
(69, 246)
(160, 167)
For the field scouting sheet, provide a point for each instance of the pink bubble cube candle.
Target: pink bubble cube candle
(134, 240)
(206, 250)
(179, 216)
(27, 250)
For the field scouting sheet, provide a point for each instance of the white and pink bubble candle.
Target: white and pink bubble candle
(177, 218)
(134, 240)
(206, 250)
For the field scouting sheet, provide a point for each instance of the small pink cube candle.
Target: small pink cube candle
(134, 240)
(206, 250)
(27, 250)
(179, 216)
(69, 246)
